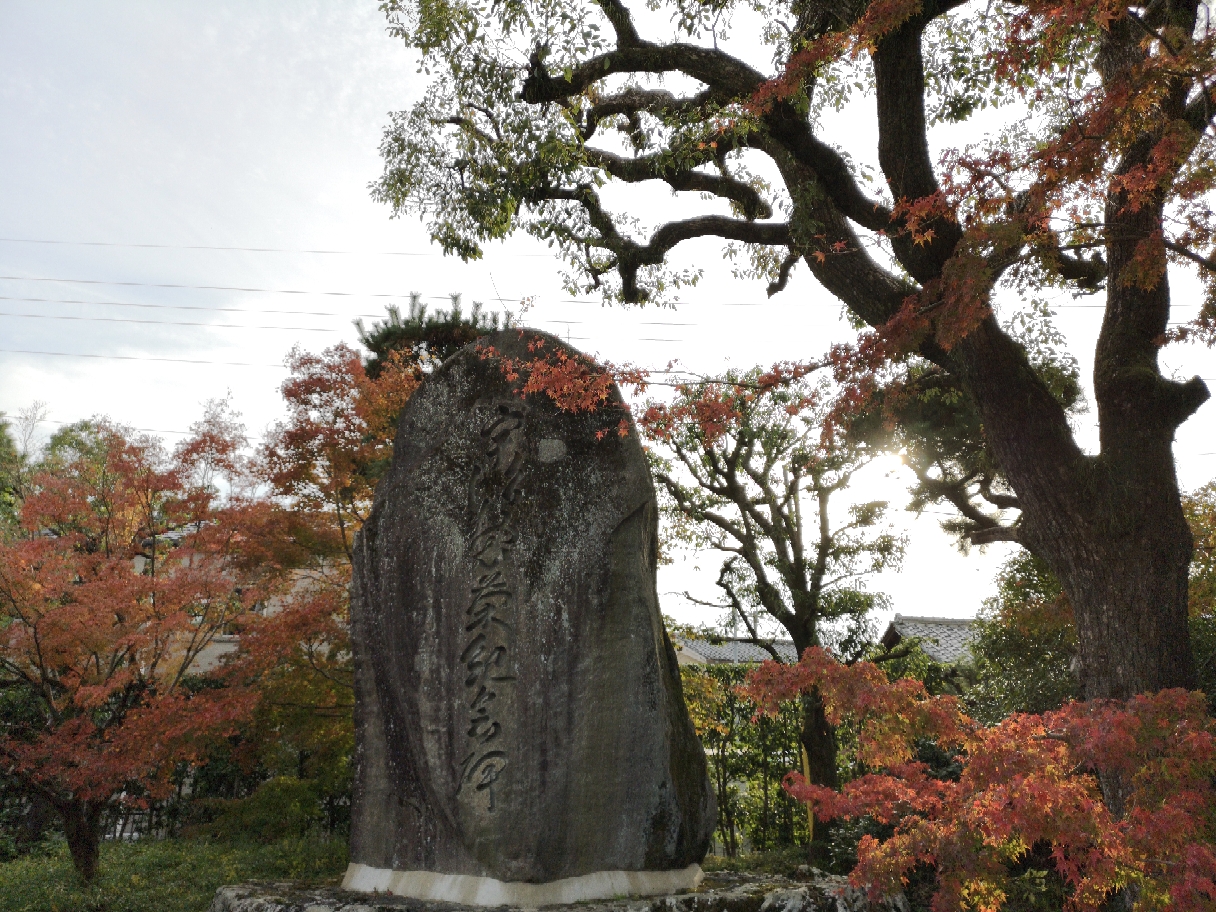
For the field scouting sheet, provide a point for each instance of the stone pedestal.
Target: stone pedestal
(467, 890)
(718, 893)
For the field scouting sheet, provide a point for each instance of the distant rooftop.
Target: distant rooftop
(944, 640)
(728, 651)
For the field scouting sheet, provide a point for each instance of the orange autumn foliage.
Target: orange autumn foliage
(574, 382)
(121, 577)
(324, 459)
(320, 465)
(1028, 782)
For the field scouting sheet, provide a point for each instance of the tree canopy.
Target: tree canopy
(118, 579)
(1096, 179)
(749, 466)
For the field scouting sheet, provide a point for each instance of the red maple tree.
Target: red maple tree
(318, 467)
(123, 574)
(1029, 784)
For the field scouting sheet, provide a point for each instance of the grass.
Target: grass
(784, 861)
(176, 875)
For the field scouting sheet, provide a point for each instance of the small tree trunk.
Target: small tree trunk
(764, 780)
(819, 739)
(82, 827)
(35, 816)
(726, 819)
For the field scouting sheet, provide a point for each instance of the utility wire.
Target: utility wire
(327, 329)
(144, 430)
(207, 325)
(293, 291)
(258, 310)
(29, 351)
(408, 253)
(330, 313)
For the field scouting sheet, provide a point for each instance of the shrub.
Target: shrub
(281, 807)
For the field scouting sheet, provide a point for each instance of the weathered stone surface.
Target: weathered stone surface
(718, 893)
(519, 713)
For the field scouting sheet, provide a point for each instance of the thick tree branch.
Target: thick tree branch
(998, 500)
(718, 70)
(622, 23)
(903, 145)
(632, 100)
(657, 167)
(995, 534)
(846, 269)
(1087, 272)
(632, 256)
(1208, 263)
(794, 135)
(783, 274)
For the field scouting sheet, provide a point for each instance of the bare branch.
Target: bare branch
(622, 24)
(1208, 263)
(657, 167)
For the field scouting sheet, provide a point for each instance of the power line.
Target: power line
(28, 351)
(291, 291)
(166, 322)
(408, 253)
(259, 310)
(342, 294)
(145, 430)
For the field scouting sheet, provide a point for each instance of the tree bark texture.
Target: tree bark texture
(819, 741)
(82, 827)
(1110, 527)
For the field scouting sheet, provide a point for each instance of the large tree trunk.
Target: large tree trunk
(82, 827)
(1128, 587)
(1110, 527)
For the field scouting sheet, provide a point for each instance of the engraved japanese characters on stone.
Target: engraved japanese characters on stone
(518, 709)
(493, 490)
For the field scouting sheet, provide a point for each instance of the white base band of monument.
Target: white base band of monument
(471, 890)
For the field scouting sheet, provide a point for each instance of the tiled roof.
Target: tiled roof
(732, 651)
(944, 640)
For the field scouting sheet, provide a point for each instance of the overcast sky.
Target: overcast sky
(137, 134)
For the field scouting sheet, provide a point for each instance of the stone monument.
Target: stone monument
(521, 733)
